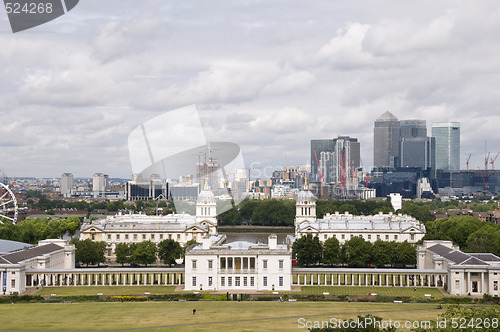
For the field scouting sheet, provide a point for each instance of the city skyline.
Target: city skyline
(269, 77)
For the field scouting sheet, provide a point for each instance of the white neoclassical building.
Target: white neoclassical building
(344, 226)
(17, 265)
(468, 273)
(134, 228)
(238, 266)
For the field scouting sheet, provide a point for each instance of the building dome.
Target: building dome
(305, 196)
(206, 196)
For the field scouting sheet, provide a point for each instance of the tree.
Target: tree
(169, 250)
(357, 251)
(406, 253)
(331, 251)
(485, 239)
(122, 253)
(307, 250)
(382, 252)
(144, 253)
(89, 252)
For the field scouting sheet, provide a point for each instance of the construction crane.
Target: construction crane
(486, 186)
(467, 162)
(319, 170)
(486, 159)
(492, 162)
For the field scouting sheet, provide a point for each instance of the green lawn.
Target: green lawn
(210, 316)
(105, 290)
(360, 291)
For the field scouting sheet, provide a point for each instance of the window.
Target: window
(237, 281)
(412, 237)
(178, 237)
(210, 264)
(343, 236)
(194, 281)
(369, 236)
(264, 264)
(109, 237)
(193, 263)
(495, 285)
(281, 264)
(169, 236)
(325, 236)
(229, 281)
(126, 236)
(117, 236)
(395, 237)
(13, 283)
(457, 285)
(252, 281)
(352, 235)
(144, 236)
(264, 281)
(135, 237)
(209, 281)
(280, 281)
(152, 237)
(245, 281)
(495, 274)
(161, 236)
(387, 237)
(223, 281)
(93, 236)
(222, 263)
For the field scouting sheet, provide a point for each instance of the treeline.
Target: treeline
(280, 212)
(141, 253)
(469, 233)
(309, 250)
(45, 204)
(34, 230)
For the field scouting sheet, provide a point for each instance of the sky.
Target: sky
(267, 75)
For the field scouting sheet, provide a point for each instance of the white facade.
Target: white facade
(48, 254)
(67, 183)
(386, 227)
(100, 182)
(468, 273)
(134, 228)
(238, 266)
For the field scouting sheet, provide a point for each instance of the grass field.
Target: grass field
(382, 291)
(105, 290)
(210, 316)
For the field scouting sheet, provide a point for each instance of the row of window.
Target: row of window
(143, 237)
(379, 237)
(239, 263)
(237, 281)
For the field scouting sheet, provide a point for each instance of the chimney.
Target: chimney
(273, 241)
(206, 242)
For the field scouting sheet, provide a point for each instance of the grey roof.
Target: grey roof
(440, 249)
(473, 261)
(7, 246)
(387, 116)
(486, 257)
(457, 256)
(22, 255)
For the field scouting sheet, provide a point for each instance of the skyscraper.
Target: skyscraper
(415, 148)
(412, 128)
(447, 136)
(66, 184)
(386, 141)
(321, 159)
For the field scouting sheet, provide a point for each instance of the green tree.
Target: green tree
(357, 251)
(122, 253)
(308, 250)
(406, 253)
(382, 252)
(144, 253)
(169, 250)
(331, 251)
(485, 239)
(89, 252)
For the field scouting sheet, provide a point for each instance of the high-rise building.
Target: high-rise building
(346, 159)
(321, 160)
(100, 182)
(447, 136)
(418, 152)
(412, 128)
(386, 141)
(67, 183)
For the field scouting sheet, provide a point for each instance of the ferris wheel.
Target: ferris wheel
(8, 204)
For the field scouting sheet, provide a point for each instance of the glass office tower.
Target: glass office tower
(447, 136)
